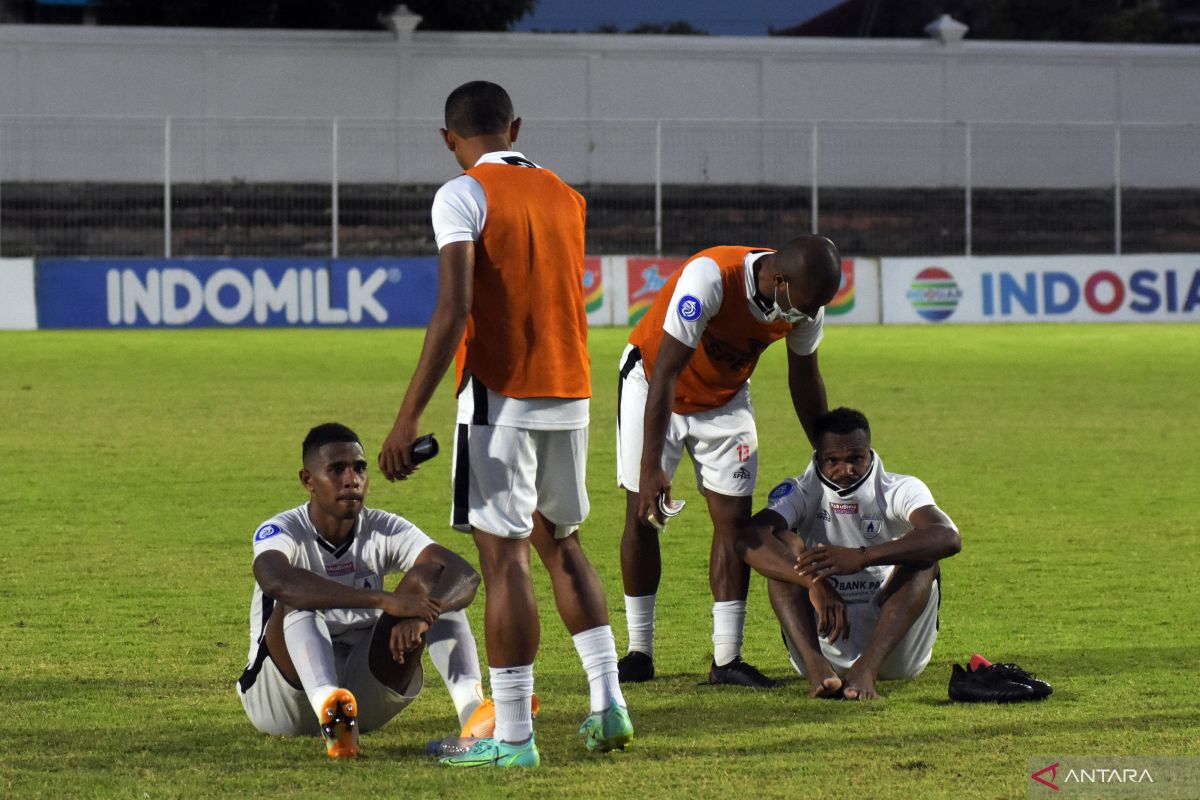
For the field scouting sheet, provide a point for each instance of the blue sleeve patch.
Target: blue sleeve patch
(782, 490)
(267, 531)
(689, 308)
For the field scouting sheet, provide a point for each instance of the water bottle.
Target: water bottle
(424, 448)
(450, 746)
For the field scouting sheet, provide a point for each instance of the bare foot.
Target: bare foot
(859, 686)
(826, 688)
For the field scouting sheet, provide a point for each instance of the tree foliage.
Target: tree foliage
(469, 15)
(336, 14)
(678, 27)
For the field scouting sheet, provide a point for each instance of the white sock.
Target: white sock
(598, 651)
(512, 691)
(452, 650)
(729, 620)
(639, 619)
(311, 649)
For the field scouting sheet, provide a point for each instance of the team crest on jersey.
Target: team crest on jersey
(871, 526)
(844, 509)
(267, 531)
(781, 491)
(689, 307)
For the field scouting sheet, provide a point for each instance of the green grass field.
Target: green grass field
(137, 465)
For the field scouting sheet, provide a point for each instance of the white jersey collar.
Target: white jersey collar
(752, 300)
(850, 490)
(498, 156)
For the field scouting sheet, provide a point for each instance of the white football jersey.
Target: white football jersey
(874, 510)
(382, 543)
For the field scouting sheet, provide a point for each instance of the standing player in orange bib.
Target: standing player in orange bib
(510, 299)
(684, 385)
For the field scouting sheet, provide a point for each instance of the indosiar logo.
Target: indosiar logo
(1056, 293)
(934, 294)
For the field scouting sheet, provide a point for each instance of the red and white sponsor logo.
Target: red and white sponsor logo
(845, 509)
(344, 568)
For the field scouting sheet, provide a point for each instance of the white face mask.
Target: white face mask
(793, 314)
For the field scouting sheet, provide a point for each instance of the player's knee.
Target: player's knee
(903, 671)
(420, 578)
(913, 579)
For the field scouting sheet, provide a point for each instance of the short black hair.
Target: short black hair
(327, 433)
(840, 421)
(815, 261)
(478, 108)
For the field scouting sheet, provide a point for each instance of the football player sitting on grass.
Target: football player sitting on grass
(331, 650)
(852, 552)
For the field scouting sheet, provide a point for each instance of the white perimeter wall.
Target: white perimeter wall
(237, 73)
(89, 103)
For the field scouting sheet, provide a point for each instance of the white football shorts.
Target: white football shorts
(909, 658)
(276, 707)
(503, 474)
(723, 442)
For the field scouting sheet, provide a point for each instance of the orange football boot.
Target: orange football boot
(482, 722)
(339, 724)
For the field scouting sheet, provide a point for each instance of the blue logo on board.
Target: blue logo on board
(267, 531)
(689, 307)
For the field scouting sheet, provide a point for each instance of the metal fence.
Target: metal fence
(100, 186)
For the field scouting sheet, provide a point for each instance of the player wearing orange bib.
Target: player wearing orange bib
(684, 385)
(510, 301)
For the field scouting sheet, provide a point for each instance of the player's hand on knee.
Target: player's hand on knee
(412, 604)
(407, 635)
(833, 620)
(825, 560)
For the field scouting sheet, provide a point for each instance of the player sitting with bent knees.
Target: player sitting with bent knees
(331, 651)
(852, 552)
